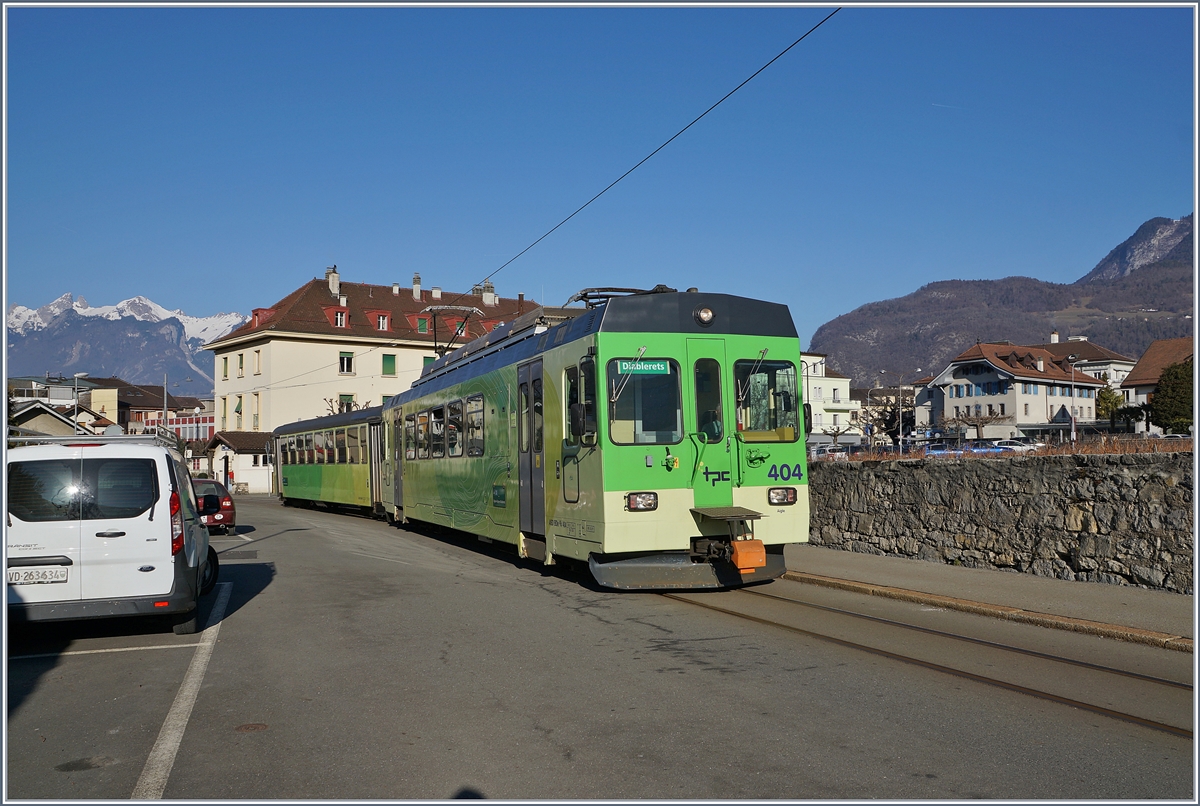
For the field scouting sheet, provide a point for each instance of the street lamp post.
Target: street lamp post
(900, 403)
(78, 375)
(1071, 359)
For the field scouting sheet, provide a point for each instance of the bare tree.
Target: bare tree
(977, 421)
(342, 406)
(836, 431)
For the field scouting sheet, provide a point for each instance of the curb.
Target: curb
(1114, 631)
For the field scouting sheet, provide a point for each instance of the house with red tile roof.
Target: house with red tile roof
(1142, 380)
(332, 346)
(1030, 391)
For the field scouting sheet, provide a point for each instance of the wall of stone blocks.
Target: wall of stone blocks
(1123, 519)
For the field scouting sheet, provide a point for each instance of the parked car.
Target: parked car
(1032, 442)
(1013, 446)
(982, 446)
(103, 526)
(943, 449)
(224, 520)
(1176, 436)
(834, 452)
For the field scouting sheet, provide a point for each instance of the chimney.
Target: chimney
(435, 292)
(520, 303)
(331, 276)
(417, 287)
(489, 294)
(395, 289)
(1054, 337)
(1041, 366)
(342, 300)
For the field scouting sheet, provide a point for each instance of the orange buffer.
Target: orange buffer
(748, 555)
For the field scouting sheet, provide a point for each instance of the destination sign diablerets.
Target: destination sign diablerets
(643, 368)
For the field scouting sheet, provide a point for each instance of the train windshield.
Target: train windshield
(643, 401)
(766, 400)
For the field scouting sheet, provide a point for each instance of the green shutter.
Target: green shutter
(422, 325)
(389, 364)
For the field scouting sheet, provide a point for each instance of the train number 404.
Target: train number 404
(785, 472)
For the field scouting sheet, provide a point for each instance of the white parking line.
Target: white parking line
(376, 557)
(100, 651)
(154, 775)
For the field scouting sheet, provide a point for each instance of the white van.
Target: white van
(102, 526)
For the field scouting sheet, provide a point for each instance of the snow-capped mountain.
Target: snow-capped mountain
(136, 340)
(206, 328)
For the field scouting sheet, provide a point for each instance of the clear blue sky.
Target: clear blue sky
(214, 159)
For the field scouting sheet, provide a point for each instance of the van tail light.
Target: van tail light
(176, 525)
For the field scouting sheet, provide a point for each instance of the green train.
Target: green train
(657, 436)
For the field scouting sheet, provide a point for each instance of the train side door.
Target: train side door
(709, 432)
(531, 448)
(399, 443)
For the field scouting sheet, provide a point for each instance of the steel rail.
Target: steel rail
(937, 667)
(982, 642)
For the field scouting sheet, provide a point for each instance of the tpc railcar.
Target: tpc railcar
(657, 436)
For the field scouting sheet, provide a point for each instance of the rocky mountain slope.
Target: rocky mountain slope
(1142, 291)
(136, 339)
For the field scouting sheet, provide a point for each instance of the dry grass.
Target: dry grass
(1100, 445)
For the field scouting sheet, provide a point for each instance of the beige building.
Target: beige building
(333, 346)
(827, 392)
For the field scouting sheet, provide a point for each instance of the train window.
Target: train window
(454, 428)
(437, 432)
(308, 450)
(571, 394)
(537, 415)
(423, 435)
(289, 447)
(766, 400)
(710, 417)
(475, 425)
(339, 445)
(523, 418)
(352, 444)
(643, 397)
(587, 382)
(410, 436)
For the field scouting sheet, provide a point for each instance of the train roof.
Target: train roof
(369, 415)
(659, 311)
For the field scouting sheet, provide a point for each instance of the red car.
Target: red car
(224, 520)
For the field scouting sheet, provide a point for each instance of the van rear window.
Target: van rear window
(57, 490)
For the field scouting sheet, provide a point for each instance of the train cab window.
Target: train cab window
(290, 448)
(423, 435)
(454, 428)
(643, 401)
(767, 400)
(710, 418)
(437, 432)
(475, 425)
(353, 452)
(339, 445)
(410, 436)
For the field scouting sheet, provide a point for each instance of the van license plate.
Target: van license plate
(33, 576)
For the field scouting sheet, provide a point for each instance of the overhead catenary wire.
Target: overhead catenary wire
(655, 151)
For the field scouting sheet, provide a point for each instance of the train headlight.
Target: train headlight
(781, 496)
(704, 316)
(641, 502)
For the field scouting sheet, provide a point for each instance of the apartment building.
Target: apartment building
(333, 346)
(1142, 380)
(1024, 390)
(827, 392)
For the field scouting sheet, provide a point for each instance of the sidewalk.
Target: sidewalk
(1113, 611)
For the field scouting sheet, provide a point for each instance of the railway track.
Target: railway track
(1153, 701)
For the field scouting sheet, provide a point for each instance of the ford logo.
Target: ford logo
(146, 568)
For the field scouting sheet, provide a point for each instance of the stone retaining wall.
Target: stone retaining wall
(1124, 519)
